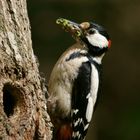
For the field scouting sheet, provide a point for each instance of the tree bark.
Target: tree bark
(23, 112)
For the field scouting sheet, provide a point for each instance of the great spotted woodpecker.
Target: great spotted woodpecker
(74, 81)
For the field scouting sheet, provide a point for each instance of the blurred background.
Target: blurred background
(117, 116)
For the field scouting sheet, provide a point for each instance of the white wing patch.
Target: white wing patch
(92, 96)
(94, 83)
(89, 110)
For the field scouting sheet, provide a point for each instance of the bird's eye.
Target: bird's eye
(91, 31)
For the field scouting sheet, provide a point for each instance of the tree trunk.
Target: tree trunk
(23, 114)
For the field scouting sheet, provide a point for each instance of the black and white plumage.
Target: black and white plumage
(74, 81)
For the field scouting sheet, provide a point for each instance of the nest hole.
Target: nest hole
(12, 99)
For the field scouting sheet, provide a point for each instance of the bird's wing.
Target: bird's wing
(82, 105)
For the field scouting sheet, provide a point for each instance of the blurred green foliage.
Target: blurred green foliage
(117, 116)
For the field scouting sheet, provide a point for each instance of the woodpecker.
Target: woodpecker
(75, 80)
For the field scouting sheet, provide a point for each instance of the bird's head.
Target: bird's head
(94, 36)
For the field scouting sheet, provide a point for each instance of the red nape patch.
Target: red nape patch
(109, 43)
(64, 132)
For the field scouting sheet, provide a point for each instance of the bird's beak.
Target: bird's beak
(71, 27)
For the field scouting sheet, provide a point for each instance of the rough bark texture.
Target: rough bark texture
(23, 114)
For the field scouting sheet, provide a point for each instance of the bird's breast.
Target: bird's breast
(62, 80)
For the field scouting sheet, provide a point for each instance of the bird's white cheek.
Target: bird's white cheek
(97, 40)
